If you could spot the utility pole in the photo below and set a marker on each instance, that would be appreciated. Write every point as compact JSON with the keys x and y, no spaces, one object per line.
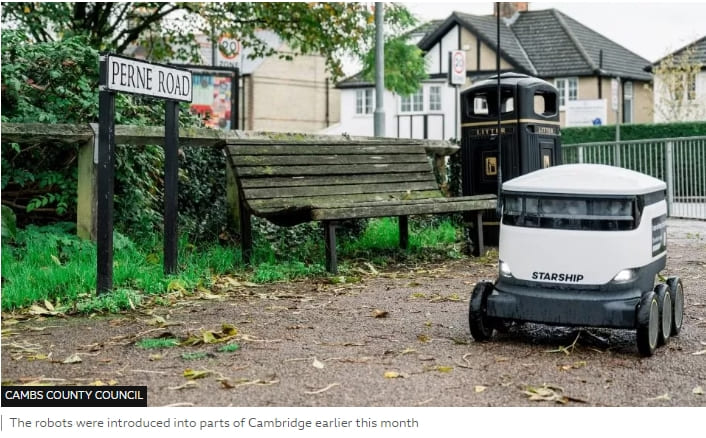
{"x":379,"y":118}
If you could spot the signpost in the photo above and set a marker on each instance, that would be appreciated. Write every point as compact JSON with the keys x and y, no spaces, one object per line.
{"x":228,"y":52}
{"x":457,"y":77}
{"x":120,"y":74}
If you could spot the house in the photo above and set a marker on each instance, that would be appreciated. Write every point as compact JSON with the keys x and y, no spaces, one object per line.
{"x":680,"y":84}
{"x":275,"y":94}
{"x":545,"y":43}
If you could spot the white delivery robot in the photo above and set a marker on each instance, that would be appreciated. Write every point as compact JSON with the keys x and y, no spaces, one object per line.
{"x":582,"y":245}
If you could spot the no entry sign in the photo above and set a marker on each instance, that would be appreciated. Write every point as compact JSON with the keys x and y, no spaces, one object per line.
{"x":147,"y":79}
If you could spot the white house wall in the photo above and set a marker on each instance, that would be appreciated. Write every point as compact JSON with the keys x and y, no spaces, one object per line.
{"x":448,"y":43}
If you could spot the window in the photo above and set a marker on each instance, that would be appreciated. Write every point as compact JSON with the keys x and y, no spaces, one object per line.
{"x":413,"y":102}
{"x":568,"y":90}
{"x":435,"y":98}
{"x":564,"y":213}
{"x":627,"y":102}
{"x":364,"y":101}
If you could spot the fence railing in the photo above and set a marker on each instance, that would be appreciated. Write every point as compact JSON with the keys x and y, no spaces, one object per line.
{"x":680,"y":162}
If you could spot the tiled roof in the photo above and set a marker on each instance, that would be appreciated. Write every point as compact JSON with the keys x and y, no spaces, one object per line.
{"x":486,"y":28}
{"x":548,"y":43}
{"x":699,"y":52}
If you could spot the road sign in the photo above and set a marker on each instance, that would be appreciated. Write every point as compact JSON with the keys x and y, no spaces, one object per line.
{"x":228,"y":51}
{"x":457,"y":67}
{"x":147,"y":79}
{"x":614,"y":94}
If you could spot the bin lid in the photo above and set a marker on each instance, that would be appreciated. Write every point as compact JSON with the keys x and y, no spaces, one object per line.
{"x":585,"y":179}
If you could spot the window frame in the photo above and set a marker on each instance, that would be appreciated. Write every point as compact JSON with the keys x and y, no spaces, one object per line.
{"x":364,"y":101}
{"x":628,"y":102}
{"x":412,"y":102}
{"x":432,"y":104}
{"x":565,"y":89}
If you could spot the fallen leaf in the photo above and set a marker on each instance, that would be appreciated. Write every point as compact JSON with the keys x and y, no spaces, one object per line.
{"x":377,"y":313}
{"x":664,"y":396}
{"x":480,"y":388}
{"x":372,"y":269}
{"x":157,"y":320}
{"x":699,"y":353}
{"x":392,"y":375}
{"x":317,"y":364}
{"x":39,"y":356}
{"x":319,"y":391}
{"x":56,"y":260}
{"x":698,"y":391}
{"x":443,"y":369}
{"x":187,"y":385}
{"x":154,"y":357}
{"x":193,"y":375}
{"x":74,"y":358}
{"x":423,"y":338}
{"x":48,"y":305}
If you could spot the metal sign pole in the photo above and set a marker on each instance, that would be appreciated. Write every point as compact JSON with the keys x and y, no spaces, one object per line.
{"x":500,"y":141}
{"x":106,"y":171}
{"x":171,"y":170}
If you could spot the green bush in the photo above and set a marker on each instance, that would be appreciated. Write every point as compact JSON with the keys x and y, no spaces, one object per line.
{"x":58,"y":83}
{"x":590,"y":134}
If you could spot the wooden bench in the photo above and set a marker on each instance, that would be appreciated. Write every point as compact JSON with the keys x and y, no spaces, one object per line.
{"x":290,"y":182}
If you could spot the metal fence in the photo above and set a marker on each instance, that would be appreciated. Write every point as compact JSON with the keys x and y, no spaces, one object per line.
{"x":680,"y":162}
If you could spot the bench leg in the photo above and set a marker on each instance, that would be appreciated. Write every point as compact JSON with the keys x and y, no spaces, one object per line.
{"x":478,"y":249}
{"x":245,"y":234}
{"x":330,"y":243}
{"x":404,"y":232}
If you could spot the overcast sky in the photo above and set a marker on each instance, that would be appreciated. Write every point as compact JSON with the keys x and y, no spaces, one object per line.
{"x":649,"y":29}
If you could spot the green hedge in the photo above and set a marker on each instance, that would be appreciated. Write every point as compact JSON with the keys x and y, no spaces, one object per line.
{"x":589,"y":134}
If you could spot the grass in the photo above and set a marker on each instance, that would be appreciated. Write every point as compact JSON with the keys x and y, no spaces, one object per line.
{"x":51,"y":263}
{"x":154,"y":343}
{"x":229,"y":348}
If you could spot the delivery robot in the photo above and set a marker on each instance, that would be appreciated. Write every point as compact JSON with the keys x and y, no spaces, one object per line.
{"x":582,"y":245}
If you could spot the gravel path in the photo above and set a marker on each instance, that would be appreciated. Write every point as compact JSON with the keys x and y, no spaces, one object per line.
{"x":393,"y":338}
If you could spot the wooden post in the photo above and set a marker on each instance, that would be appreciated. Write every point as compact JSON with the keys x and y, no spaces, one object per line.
{"x":171,"y":186}
{"x":86,"y":188}
{"x":233,"y":198}
{"x":245,"y":234}
{"x":106,"y":172}
{"x":404,"y":231}
{"x":330,"y":244}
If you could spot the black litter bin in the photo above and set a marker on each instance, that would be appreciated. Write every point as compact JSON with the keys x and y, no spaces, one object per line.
{"x":529,"y":113}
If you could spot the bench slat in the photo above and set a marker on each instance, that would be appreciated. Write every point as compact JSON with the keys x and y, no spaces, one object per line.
{"x":324,"y":149}
{"x":332,"y":169}
{"x":409,"y":208}
{"x":291,"y":160}
{"x":264,"y":206}
{"x":304,"y":181}
{"x":326,"y":189}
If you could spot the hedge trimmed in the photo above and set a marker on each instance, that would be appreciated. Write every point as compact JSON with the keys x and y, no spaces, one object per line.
{"x":589,"y":134}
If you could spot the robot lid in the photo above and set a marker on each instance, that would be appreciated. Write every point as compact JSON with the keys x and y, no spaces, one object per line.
{"x":585,"y":179}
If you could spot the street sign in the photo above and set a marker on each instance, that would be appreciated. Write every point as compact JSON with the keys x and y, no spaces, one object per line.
{"x":148,"y":79}
{"x":457,"y":67}
{"x":228,"y":51}
{"x":120,"y":74}
{"x":614,"y":94}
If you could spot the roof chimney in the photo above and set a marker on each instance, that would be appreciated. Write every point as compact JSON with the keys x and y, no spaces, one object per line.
{"x":508,"y":9}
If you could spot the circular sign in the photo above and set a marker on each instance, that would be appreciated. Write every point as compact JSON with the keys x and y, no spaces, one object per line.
{"x":228,"y":47}
{"x":459,"y":64}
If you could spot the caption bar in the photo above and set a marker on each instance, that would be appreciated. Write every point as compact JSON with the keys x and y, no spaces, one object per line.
{"x":74,"y":396}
